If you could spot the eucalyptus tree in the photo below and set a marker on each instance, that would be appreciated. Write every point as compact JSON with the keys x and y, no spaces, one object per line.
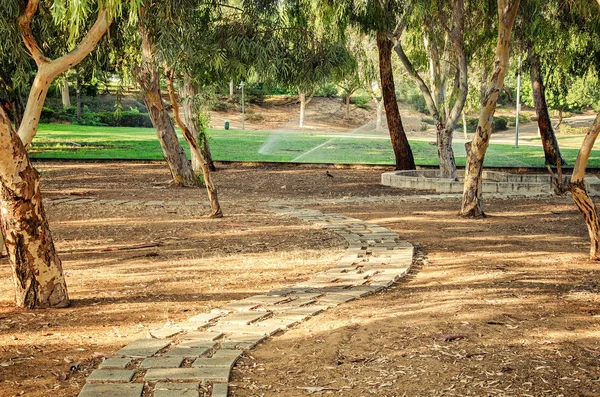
{"x":440,"y":28}
{"x":381,"y":18}
{"x":147,"y":73}
{"x":309,"y":50}
{"x":37,"y":270}
{"x":538,"y":33}
{"x":472,"y":203}
{"x":582,"y":199}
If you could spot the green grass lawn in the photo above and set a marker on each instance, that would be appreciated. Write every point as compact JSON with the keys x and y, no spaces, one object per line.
{"x":62,"y":141}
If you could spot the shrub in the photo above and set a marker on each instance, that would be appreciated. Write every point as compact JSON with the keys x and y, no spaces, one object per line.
{"x":410,"y":96}
{"x":219,"y":106}
{"x":328,"y":90}
{"x":254,"y":117}
{"x":428,"y":120}
{"x":500,"y":123}
{"x":129,"y":118}
{"x":48,"y":115}
{"x":363,"y":102}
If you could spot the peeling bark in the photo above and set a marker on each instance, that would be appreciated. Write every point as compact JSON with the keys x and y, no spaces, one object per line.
{"x":552,"y":153}
{"x":580,"y":195}
{"x":37,"y":270}
{"x":402,"y":150}
{"x":472,"y":203}
{"x":446,"y":153}
{"x":148,"y":78}
{"x":190,"y":129}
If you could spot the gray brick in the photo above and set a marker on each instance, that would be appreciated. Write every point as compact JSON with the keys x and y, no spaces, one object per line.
{"x":214,"y":374}
{"x":266,"y":299}
{"x":165,"y":332}
{"x":177,"y":393}
{"x":207,"y":336}
{"x":111,"y":375}
{"x":242,"y":342}
{"x":241,"y":306}
{"x":96,"y":390}
{"x":162,"y":362}
{"x":144,"y":347}
{"x":242,"y":318}
{"x":219,"y":390}
{"x":115,"y":362}
{"x":214,"y":362}
{"x":204,"y":318}
{"x":228,"y":353}
{"x":198,"y":343}
{"x":188,"y":352}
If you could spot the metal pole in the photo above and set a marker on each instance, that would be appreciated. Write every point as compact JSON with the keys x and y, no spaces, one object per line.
{"x":518,"y":105}
{"x":242,"y":85}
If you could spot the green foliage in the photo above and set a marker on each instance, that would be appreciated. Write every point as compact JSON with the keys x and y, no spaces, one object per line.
{"x":500,"y":123}
{"x":129,"y":118}
{"x":361,"y":101}
{"x":328,"y":90}
{"x":222,"y":106}
{"x":410,"y":96}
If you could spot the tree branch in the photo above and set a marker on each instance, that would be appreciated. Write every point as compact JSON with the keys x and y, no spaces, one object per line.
{"x":415,"y":76}
{"x":24,"y":23}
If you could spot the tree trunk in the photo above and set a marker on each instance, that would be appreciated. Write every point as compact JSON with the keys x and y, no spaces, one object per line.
{"x":149,"y":80}
{"x":302,"y":98}
{"x":231,"y":89}
{"x":188,"y":92}
{"x":37,"y":270}
{"x":347,"y":105}
{"x":2,"y":245}
{"x":379,"y":122}
{"x":190,"y":130}
{"x":580,"y":194}
{"x":445,"y":153}
{"x":551,"y":150}
{"x":402,"y":150}
{"x":66,"y":97}
{"x":472,"y":204}
{"x":78,"y":92}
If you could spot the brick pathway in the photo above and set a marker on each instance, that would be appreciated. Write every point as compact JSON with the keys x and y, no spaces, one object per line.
{"x":195,"y":357}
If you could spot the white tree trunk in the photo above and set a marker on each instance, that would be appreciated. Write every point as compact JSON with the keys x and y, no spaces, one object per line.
{"x":379,"y":122}
{"x":64,"y":91}
{"x":302,"y":97}
{"x":231,"y":89}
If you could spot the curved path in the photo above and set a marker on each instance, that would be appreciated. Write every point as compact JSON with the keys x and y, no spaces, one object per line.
{"x":197,"y":356}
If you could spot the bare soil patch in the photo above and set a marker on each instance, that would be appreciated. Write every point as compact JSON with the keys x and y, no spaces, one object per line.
{"x":515,"y":290}
{"x":321,"y":114}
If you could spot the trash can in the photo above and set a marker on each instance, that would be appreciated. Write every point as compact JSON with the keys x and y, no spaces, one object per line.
{"x":226,"y":124}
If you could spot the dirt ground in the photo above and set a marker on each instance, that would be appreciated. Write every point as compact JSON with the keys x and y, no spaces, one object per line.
{"x":515,"y":291}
